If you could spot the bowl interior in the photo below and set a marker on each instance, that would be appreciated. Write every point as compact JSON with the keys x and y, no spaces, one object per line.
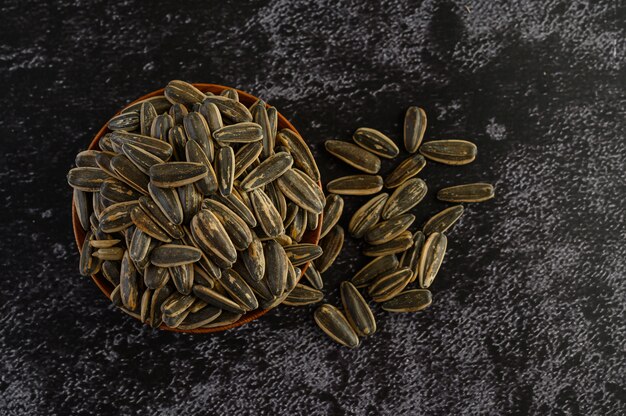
{"x":310,"y":236}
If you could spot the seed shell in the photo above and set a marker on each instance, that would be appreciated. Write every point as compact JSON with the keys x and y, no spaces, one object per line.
{"x":335,"y":325}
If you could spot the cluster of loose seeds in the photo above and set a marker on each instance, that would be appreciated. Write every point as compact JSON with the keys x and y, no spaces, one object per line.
{"x":194,"y":208}
{"x":384,"y":222}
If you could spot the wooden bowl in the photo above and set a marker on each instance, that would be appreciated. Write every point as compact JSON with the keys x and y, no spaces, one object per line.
{"x":311,"y":236}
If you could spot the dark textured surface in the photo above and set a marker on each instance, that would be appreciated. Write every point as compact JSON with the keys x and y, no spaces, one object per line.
{"x":529,"y":308}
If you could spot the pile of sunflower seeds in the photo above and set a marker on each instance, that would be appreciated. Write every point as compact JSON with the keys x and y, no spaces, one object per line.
{"x":399,"y":257}
{"x":194,"y":208}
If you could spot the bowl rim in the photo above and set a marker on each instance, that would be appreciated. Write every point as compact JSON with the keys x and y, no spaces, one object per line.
{"x":310,"y":236}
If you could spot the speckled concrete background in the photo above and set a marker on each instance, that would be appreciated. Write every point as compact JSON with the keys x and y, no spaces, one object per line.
{"x":529,"y":311}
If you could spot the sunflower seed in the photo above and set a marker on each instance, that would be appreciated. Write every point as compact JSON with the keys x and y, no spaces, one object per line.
{"x":239,"y":290}
{"x":388,"y":230}
{"x":124,"y":121}
{"x":411,"y":257}
{"x":408,"y":168}
{"x":88,"y":263}
{"x":473,"y":192}
{"x":147,"y":225}
{"x":111,"y":271}
{"x":161,"y":125}
{"x":357,"y":311}
{"x":129,"y":173}
{"x":298,"y":225}
{"x":443,"y":220}
{"x":225,"y":169}
{"x":86,"y":179}
{"x":156,"y":214}
{"x":194,"y":153}
{"x":129,"y":284}
{"x":168,"y":202}
{"x":300,"y":254}
{"x":212,"y":238}
{"x":82,"y":205}
{"x":374,"y":269}
{"x":414,"y":127}
{"x":238,"y":207}
{"x":302,"y":156}
{"x":276,"y":267}
{"x":409,"y":301}
{"x":367,"y":216}
{"x":333,"y":208}
{"x":432,"y":255}
{"x":449,"y":152}
{"x":200,"y":318}
{"x":335,"y":325}
{"x":116,"y":217}
{"x":268,"y":171}
{"x":225,"y":319}
{"x":376,"y":142}
{"x":237,"y":229}
{"x":183,"y":277}
{"x":86,"y":159}
{"x":196,"y":129}
{"x":182,"y":92}
{"x":247,"y":132}
{"x":216,"y":299}
{"x":158,"y":297}
{"x":355,"y":185}
{"x":212,"y":115}
{"x":268,"y":217}
{"x":397,"y":245}
{"x":405,"y":197}
{"x":169,"y":255}
{"x":302,"y":295}
{"x":301,"y":192}
{"x":155,"y":277}
{"x":159,"y":102}
{"x":331,"y":247}
{"x":389,"y":285}
{"x":353,"y":155}
{"x":159,"y":148}
{"x":231,"y":109}
{"x":190,"y":201}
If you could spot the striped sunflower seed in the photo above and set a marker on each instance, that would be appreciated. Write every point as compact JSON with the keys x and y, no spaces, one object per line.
{"x":414,"y":127}
{"x":231,"y":109}
{"x":367,"y":216}
{"x":86,"y":179}
{"x":335,"y":325}
{"x":159,"y":218}
{"x":388,"y":286}
{"x":276,"y":267}
{"x":194,"y":153}
{"x":245,"y":156}
{"x":376,"y":142}
{"x":410,"y":258}
{"x":375,"y":269}
{"x":155,"y":277}
{"x":129,"y":173}
{"x":129,"y":283}
{"x":139,"y":246}
{"x":161,"y":149}
{"x":83,"y":208}
{"x":413,"y":300}
{"x":175,"y":174}
{"x":216,"y":299}
{"x":212,"y":238}
{"x":268,"y":217}
{"x":472,"y":192}
{"x":432,"y":255}
{"x":299,"y":254}
{"x":239,"y":290}
{"x":168,"y":202}
{"x":170,"y":255}
{"x":405,"y":197}
{"x":124,"y":121}
{"x":333,"y":208}
{"x":353,"y":155}
{"x":408,"y":168}
{"x":397,"y":245}
{"x":449,"y":152}
{"x":388,"y":230}
{"x":356,"y":185}
{"x":331,"y":247}
{"x":237,"y":229}
{"x":161,"y":125}
{"x":314,"y":277}
{"x":201,"y":318}
{"x":196,"y":129}
{"x":182,"y":92}
{"x":147,"y":225}
{"x":443,"y":220}
{"x":358,"y":312}
{"x":212,"y":115}
{"x":268,"y":171}
{"x":302,"y":156}
{"x":246,"y":132}
{"x":116,"y":217}
{"x":183,"y":277}
{"x":225,"y":169}
{"x":190,"y":201}
{"x":302,"y":295}
{"x":117,"y":191}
